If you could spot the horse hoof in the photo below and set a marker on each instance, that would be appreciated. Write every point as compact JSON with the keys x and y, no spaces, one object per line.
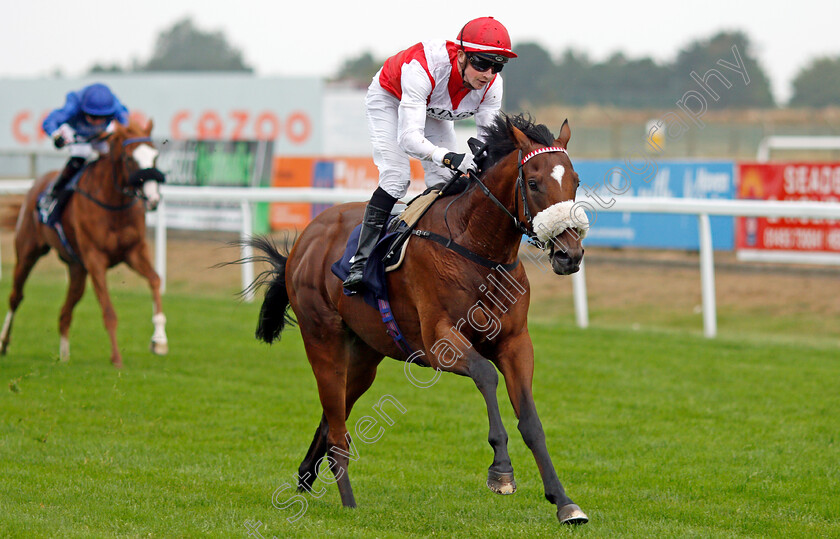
{"x":159,"y":348}
{"x":501,"y":482}
{"x":571,"y":514}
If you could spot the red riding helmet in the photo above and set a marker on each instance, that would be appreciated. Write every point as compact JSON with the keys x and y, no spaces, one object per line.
{"x":485,"y":35}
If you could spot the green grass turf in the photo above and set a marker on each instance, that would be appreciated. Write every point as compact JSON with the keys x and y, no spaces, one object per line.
{"x":653,"y":433}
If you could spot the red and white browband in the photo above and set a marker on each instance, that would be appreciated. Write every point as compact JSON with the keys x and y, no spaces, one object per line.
{"x":538,"y":151}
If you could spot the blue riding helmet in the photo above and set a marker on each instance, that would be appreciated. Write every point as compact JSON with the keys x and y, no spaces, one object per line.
{"x":97,"y":100}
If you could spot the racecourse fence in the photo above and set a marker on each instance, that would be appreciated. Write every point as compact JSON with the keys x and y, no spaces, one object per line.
{"x":702,"y":208}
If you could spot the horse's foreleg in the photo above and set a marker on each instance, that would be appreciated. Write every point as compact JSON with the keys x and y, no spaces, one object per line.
{"x":459,"y":357}
{"x":138,"y":260}
{"x":500,"y":474}
{"x":517,"y":364}
{"x":308,"y":469}
{"x":78,"y":277}
{"x":96,"y":265}
{"x":28,"y":254}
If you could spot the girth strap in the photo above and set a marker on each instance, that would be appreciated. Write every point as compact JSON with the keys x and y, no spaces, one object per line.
{"x":463,"y":251}
{"x":391,"y":327}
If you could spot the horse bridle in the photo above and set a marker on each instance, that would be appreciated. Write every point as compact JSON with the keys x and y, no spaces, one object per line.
{"x":526,"y":229}
{"x":138,"y":177}
{"x":134,"y":194}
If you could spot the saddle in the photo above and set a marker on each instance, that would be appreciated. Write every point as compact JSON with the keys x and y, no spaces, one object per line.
{"x":389,"y":253}
{"x":61,"y":199}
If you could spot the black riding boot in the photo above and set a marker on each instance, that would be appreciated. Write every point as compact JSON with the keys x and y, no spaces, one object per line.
{"x":48,"y":201}
{"x":375,"y":219}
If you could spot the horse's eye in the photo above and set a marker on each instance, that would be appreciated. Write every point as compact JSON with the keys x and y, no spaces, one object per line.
{"x":532,"y":184}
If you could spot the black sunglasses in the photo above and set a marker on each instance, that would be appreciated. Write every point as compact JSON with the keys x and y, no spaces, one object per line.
{"x":482,"y":64}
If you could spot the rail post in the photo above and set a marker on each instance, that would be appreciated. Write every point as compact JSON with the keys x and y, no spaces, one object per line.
{"x":707,"y":276}
{"x":246,"y":251}
{"x":160,"y":244}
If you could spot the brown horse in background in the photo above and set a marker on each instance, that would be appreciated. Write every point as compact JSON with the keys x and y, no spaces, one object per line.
{"x":104,"y":225}
{"x":461,"y":314}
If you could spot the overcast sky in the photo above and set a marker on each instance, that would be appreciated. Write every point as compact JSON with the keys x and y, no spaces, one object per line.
{"x":313,"y":37}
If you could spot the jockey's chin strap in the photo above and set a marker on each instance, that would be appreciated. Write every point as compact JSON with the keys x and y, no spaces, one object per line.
{"x":526,"y":229}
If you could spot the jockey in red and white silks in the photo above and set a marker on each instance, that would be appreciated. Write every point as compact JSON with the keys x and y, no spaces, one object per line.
{"x":411,"y":106}
{"x":412,"y":103}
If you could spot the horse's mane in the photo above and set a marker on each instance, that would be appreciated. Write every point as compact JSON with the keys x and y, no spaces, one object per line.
{"x":500,"y":142}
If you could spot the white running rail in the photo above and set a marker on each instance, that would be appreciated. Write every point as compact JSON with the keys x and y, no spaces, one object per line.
{"x":703,"y":208}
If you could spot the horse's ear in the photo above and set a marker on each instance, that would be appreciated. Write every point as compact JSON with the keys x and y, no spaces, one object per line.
{"x":565,"y":135}
{"x":149,"y":126}
{"x":521,"y":140}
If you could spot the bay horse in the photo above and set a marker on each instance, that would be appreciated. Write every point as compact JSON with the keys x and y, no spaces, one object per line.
{"x":458,"y":315}
{"x":103,"y":225}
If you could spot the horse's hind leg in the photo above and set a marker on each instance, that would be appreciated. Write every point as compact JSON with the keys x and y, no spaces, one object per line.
{"x":360,"y":375}
{"x":28,"y":253}
{"x":138,"y":260}
{"x":330,"y":358}
{"x":78,"y":277}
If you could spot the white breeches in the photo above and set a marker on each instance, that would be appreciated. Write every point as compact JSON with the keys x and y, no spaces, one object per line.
{"x":390,"y":159}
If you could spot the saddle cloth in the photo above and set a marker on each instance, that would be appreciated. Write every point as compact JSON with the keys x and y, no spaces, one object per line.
{"x":377,"y":266}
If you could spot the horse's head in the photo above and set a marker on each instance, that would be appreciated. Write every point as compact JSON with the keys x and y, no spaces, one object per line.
{"x":133,"y":145}
{"x":545,"y":191}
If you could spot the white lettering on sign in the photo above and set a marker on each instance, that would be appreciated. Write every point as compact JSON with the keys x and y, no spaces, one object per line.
{"x":812,"y":180}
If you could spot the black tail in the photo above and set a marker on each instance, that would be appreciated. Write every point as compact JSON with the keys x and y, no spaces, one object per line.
{"x":274,"y":313}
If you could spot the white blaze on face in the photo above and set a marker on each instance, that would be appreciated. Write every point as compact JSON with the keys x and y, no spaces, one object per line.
{"x":552,"y":221}
{"x":145,"y":156}
{"x":557,"y":173}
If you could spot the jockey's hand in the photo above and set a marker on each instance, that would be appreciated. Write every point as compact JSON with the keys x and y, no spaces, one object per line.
{"x":63,"y":136}
{"x":462,"y":162}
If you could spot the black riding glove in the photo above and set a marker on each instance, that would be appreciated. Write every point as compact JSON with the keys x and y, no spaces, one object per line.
{"x":462,"y":162}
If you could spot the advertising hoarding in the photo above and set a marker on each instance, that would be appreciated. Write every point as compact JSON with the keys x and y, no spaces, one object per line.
{"x":765,"y":238}
{"x":607,"y":180}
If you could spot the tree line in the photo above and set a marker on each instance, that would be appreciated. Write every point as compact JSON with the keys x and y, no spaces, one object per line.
{"x":537,"y":78}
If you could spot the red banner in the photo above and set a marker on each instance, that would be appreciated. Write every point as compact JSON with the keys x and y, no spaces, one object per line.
{"x":788,"y":181}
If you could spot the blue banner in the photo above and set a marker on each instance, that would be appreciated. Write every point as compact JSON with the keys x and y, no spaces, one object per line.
{"x":608,"y":180}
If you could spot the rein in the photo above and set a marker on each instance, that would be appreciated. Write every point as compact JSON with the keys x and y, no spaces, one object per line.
{"x":525,"y":229}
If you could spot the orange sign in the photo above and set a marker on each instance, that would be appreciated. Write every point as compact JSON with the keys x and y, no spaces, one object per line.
{"x":324,"y":173}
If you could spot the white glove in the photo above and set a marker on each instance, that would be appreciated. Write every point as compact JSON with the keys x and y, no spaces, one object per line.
{"x":63,"y":135}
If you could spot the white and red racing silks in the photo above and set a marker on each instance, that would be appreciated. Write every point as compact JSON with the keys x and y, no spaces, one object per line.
{"x":425,"y":78}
